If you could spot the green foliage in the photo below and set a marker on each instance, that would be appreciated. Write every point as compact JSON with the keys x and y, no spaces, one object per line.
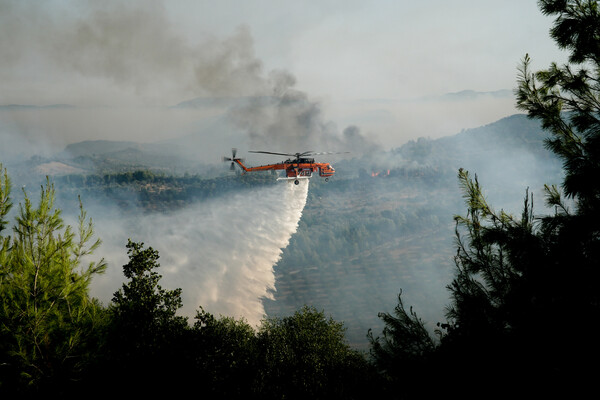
{"x":305,"y":356}
{"x":576,"y":28}
{"x":525,"y":291}
{"x":153,"y":191}
{"x":143,"y":297}
{"x":47,"y":320}
{"x":5,"y":203}
{"x":56,"y":340}
{"x":225,"y":355}
{"x":405,"y":345}
{"x":497,"y":251}
{"x":513,"y":276}
{"x":566,"y":98}
{"x":145,"y":337}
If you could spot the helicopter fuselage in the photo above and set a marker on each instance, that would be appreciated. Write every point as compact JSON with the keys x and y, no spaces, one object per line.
{"x":302,"y":167}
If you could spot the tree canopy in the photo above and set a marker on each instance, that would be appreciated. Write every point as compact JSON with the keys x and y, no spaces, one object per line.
{"x":524,"y":296}
{"x":48,"y":322}
{"x":305,"y":356}
{"x":523,"y":309}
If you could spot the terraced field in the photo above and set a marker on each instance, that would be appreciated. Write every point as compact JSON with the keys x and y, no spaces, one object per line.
{"x":357,"y":248}
{"x":382,"y":225}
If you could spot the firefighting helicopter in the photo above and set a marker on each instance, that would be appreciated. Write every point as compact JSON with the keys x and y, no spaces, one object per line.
{"x":299,"y":166}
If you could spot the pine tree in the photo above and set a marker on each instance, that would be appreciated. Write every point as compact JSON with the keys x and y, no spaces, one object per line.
{"x":404,"y":350}
{"x":47,"y":319}
{"x":566,"y":99}
{"x":524,"y":302}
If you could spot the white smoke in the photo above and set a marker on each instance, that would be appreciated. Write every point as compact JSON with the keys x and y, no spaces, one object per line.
{"x":221,"y":252}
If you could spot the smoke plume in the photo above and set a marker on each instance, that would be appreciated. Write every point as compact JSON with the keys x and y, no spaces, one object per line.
{"x":131,"y":53}
{"x":115,"y":67}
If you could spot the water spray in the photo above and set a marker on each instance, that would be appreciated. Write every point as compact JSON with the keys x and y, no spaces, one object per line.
{"x":221,"y":252}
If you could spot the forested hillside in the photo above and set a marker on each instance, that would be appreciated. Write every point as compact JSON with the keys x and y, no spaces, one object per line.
{"x":387,"y":225}
{"x":397,"y":279}
{"x":383,"y":224}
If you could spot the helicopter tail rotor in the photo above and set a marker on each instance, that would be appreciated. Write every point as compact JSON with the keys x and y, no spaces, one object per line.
{"x":233,"y":159}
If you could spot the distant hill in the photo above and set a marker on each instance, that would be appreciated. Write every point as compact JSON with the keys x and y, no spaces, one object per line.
{"x":100,"y":147}
{"x":117,"y":156}
{"x":385,"y":225}
{"x":382,"y":224}
{"x":14,"y":107}
{"x":515,"y":130}
{"x":225,"y":101}
{"x":472,"y":95}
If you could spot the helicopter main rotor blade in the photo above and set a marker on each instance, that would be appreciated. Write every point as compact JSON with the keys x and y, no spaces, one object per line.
{"x":330,"y":152}
{"x":270,"y":152}
{"x":298,"y":155}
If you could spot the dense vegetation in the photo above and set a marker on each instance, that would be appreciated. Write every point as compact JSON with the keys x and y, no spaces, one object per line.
{"x":386,"y":224}
{"x":56,"y":339}
{"x":151,"y":191}
{"x":523,"y":300}
{"x":382,"y":223}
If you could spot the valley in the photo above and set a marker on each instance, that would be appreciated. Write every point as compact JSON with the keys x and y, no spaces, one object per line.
{"x":383,"y":225}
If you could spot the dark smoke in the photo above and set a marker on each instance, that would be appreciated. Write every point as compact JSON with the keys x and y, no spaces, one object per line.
{"x":131,"y":53}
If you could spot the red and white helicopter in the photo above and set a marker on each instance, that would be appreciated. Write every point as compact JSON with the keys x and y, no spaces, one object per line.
{"x":296,"y":168}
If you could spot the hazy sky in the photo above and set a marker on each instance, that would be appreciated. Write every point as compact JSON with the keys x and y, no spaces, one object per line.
{"x":367,"y":63}
{"x":383,"y":49}
{"x":345,"y":73}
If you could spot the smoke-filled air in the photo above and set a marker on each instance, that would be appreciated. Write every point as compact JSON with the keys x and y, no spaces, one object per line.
{"x":220,"y":251}
{"x":318,"y":199}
